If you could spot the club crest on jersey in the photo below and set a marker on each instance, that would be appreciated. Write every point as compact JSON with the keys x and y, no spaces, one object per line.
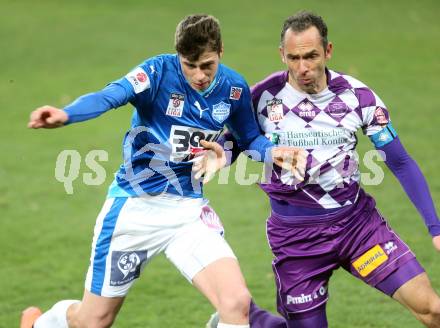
{"x":221,"y":111}
{"x":337,"y":109}
{"x":235,"y":93}
{"x":380,"y":116}
{"x":275,"y":111}
{"x":138,"y":79}
{"x":175,"y":105}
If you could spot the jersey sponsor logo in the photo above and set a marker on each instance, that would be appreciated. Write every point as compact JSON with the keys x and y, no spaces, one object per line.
{"x":126,"y":266}
{"x":275,"y":111}
{"x":212,"y":220}
{"x":307,"y":298}
{"x":380,"y":116}
{"x":141,"y":77}
{"x":370,"y":260}
{"x":337,"y":109}
{"x":235,"y":93}
{"x":312,"y":138}
{"x":303,"y":298}
{"x":175,"y":105}
{"x":306,"y":109}
{"x":138,"y":79}
{"x":273,"y":138}
{"x":221,"y":111}
{"x":185,"y":141}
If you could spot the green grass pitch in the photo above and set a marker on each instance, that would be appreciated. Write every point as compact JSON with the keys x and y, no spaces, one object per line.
{"x":54,"y":51}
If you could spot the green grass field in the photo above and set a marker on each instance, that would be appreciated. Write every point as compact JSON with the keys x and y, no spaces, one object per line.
{"x":53,"y":51}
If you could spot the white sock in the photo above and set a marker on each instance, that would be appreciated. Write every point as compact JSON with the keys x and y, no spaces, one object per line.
{"x":56,"y":317}
{"x":227,"y":325}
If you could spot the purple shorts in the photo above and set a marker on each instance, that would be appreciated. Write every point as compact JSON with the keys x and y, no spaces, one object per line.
{"x":307,"y":250}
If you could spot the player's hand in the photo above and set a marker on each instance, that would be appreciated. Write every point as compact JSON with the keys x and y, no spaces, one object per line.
{"x":47,"y":117}
{"x":291,"y":159}
{"x":436,"y":242}
{"x":212,"y":159}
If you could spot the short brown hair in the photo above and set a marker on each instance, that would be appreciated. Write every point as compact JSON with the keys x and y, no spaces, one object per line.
{"x":197,"y":33}
{"x":301,"y":21}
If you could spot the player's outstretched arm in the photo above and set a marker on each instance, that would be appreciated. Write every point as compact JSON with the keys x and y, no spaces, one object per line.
{"x":47,"y":117}
{"x":84,"y":108}
{"x":414,"y":183}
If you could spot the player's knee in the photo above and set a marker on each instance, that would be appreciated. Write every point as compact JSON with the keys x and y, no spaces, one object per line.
{"x":235,"y":303}
{"x":429,"y":314}
{"x":434,"y":308}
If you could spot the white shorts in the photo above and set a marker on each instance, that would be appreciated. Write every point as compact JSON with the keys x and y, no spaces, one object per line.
{"x":129,"y":232}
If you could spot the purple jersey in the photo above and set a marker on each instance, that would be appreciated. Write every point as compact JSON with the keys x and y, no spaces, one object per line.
{"x":324,"y":124}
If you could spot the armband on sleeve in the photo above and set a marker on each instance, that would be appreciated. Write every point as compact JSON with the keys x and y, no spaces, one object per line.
{"x":384,"y":136}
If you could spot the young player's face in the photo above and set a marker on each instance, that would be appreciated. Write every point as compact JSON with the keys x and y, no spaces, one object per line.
{"x":201,"y":73}
{"x":306,"y":59}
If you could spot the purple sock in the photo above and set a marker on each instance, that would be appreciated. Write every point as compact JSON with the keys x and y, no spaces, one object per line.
{"x":403,"y":274}
{"x":263,"y":319}
{"x":316,"y":318}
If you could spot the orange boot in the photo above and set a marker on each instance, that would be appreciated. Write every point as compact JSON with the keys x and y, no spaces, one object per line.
{"x":29,"y":316}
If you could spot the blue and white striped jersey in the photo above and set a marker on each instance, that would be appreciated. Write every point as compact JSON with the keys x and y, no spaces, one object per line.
{"x":169,"y":120}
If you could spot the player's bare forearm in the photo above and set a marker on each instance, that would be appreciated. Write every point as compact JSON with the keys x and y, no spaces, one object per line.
{"x":47,"y":117}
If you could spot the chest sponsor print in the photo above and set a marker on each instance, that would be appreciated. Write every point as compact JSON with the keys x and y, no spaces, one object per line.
{"x":312,"y":139}
{"x":185,"y":141}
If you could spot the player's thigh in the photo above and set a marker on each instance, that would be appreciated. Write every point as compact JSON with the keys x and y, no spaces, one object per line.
{"x":94,"y":311}
{"x":195,"y":245}
{"x":373,"y":251}
{"x":205,"y":259}
{"x":304,"y":262}
{"x":416,"y":294}
{"x":129,"y":232}
{"x":222,"y":282}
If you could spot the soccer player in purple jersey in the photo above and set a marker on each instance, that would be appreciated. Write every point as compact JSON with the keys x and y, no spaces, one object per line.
{"x":327,"y":220}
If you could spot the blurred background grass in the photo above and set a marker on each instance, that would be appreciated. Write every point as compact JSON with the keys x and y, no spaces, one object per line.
{"x":53,"y":51}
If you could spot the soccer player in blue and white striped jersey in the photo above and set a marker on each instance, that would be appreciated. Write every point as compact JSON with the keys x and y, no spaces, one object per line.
{"x":155,"y":204}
